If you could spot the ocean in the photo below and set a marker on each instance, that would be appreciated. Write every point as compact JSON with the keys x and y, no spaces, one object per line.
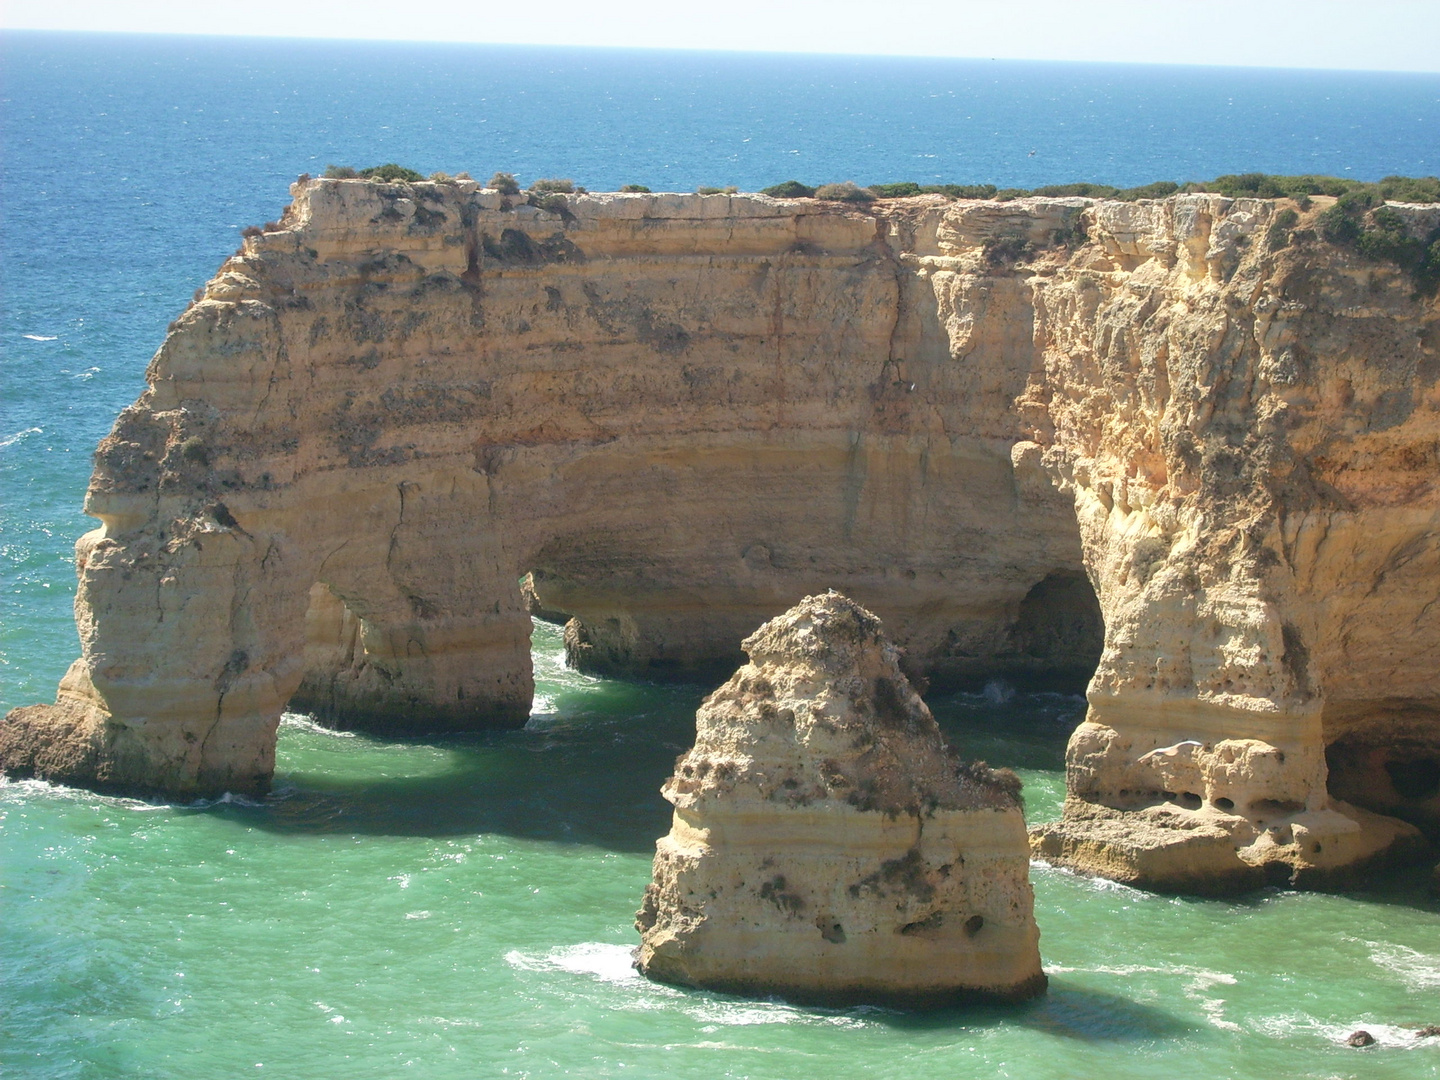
{"x":461,"y":907}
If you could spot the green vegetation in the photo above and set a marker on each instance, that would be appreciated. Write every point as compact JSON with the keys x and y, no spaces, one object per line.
{"x":505,"y":183}
{"x":636,"y":189}
{"x":790,"y":189}
{"x":1379,"y":234}
{"x":844,"y":192}
{"x":553,"y":187}
{"x":389,"y":172}
{"x":1006,"y":249}
{"x":1278,"y":234}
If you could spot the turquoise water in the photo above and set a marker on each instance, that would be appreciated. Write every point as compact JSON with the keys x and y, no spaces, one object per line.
{"x":462,"y":908}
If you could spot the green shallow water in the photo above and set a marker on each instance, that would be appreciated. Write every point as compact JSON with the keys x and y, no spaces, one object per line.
{"x":462,"y":908}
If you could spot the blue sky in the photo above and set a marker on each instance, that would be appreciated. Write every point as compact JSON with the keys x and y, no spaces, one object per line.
{"x":1393,"y":35}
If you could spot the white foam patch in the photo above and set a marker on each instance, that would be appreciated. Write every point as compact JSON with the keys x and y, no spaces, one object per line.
{"x":1418,"y":971}
{"x":23,"y":790}
{"x":229,"y":798}
{"x":608,"y":963}
{"x":13,"y":439}
{"x":1291,"y":1025}
{"x":301,"y":722}
{"x":40,"y":337}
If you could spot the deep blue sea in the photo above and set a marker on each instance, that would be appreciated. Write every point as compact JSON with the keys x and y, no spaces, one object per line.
{"x":461,"y":908}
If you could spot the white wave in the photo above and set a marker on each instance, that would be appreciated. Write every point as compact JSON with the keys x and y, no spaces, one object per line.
{"x":228,"y":798}
{"x":1419,"y":971}
{"x":301,"y":722}
{"x":22,"y":790}
{"x":608,"y":963}
{"x":1291,"y":1025}
{"x":997,"y":692}
{"x":13,"y":439}
{"x":40,"y":337}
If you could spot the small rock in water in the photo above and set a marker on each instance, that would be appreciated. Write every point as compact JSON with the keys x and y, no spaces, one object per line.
{"x":1360,"y":1038}
{"x":1429,"y":1031}
{"x":827,"y":845}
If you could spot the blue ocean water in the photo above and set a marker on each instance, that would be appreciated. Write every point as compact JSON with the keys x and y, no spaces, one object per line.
{"x":461,"y":908}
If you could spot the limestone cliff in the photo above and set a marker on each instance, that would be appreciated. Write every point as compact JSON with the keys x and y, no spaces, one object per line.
{"x":988,"y":422}
{"x":827,"y":845}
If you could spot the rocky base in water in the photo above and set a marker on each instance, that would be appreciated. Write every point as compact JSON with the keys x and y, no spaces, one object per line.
{"x":828,"y":846}
{"x":1190,"y":425}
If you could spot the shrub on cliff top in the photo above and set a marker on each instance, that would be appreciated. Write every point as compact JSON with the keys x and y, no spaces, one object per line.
{"x":960,"y":191}
{"x":731,"y":190}
{"x":390,"y":173}
{"x":635,"y":189}
{"x":1380,"y":234}
{"x":845,"y":191}
{"x":790,"y":189}
{"x":505,"y":183}
{"x":553,"y":187}
{"x":340,"y":172}
{"x":902,"y":190}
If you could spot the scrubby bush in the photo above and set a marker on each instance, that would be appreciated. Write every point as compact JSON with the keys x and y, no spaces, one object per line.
{"x":902,"y":190}
{"x":441,"y":178}
{"x":845,"y":191}
{"x":340,"y":172}
{"x":960,"y":191}
{"x":462,"y":175}
{"x":252,"y":230}
{"x":1158,"y":190}
{"x":553,"y":201}
{"x":505,"y":183}
{"x":636,"y":189}
{"x":390,"y":173}
{"x":303,"y":178}
{"x":1380,"y":234}
{"x":1087,"y":190}
{"x":732,"y":190}
{"x":790,"y":189}
{"x":1006,"y":249}
{"x":553,"y":187}
{"x":1278,"y":235}
{"x":1009,"y":193}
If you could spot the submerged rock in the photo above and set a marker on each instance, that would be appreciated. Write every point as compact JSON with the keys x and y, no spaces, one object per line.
{"x":827,"y":845}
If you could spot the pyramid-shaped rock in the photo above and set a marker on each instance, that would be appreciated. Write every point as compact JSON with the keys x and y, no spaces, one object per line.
{"x":827,"y":845}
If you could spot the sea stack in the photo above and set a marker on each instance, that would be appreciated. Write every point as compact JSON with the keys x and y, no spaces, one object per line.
{"x":827,"y":846}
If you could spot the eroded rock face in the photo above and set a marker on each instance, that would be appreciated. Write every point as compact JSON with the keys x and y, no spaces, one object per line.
{"x":827,"y":845}
{"x":1001,"y":426}
{"x":1249,"y":431}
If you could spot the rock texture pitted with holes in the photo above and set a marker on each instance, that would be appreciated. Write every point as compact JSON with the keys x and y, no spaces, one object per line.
{"x":827,"y":845}
{"x":992,"y":423}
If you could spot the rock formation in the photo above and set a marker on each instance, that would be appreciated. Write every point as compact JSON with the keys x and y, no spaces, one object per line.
{"x":827,"y":845}
{"x":1007,"y":428}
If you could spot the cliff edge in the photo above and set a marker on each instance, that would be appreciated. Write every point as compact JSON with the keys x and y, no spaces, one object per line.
{"x":1176,"y":446}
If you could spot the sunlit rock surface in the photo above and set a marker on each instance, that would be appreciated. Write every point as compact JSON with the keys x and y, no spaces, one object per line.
{"x":1008,"y":428}
{"x":827,"y":845}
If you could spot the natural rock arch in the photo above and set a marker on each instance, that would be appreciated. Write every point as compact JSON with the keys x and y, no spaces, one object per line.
{"x":686,"y":412}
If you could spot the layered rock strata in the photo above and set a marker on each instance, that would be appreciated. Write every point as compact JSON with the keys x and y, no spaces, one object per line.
{"x":988,"y":422}
{"x":827,"y":845}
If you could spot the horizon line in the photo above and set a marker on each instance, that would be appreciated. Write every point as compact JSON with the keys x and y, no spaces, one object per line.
{"x":6,"y":31}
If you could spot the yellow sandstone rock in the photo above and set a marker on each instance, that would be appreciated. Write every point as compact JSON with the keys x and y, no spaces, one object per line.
{"x":1010,"y":429}
{"x":827,"y":845}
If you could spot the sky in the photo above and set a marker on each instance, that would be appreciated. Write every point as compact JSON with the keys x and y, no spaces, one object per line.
{"x":1380,"y":35}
